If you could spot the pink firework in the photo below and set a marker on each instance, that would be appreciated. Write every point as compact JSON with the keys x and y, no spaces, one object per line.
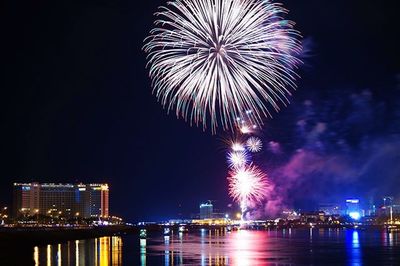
{"x":247,"y":184}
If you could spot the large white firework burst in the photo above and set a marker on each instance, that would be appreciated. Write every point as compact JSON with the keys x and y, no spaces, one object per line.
{"x":211,"y":59}
{"x":247,"y":184}
{"x":254,"y":144}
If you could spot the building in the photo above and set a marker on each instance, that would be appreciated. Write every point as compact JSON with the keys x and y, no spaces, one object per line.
{"x":206,"y":210}
{"x":388,"y":201}
{"x":330,"y":208}
{"x":55,"y":200}
{"x":353,"y":208}
{"x":312,"y":217}
{"x":97,"y":197}
{"x":25,"y":199}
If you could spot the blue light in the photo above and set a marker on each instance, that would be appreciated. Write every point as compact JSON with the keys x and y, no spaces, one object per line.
{"x":354,"y":201}
{"x":355,"y":215}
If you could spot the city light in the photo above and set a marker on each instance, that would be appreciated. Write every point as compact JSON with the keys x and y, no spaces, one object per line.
{"x":355,"y":215}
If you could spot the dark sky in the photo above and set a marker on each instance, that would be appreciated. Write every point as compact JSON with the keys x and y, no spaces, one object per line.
{"x":76,"y":105}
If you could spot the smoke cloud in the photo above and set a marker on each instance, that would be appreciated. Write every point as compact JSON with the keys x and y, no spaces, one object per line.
{"x":338,"y":146}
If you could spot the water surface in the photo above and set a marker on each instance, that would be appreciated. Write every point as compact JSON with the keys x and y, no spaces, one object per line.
{"x":217,"y":247}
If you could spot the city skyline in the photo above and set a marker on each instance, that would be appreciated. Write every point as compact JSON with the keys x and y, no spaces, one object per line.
{"x":78,"y":200}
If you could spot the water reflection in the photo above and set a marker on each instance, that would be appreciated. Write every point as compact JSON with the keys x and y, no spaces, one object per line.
{"x":213,"y":247}
{"x":220,"y":247}
{"x":143,"y":243}
{"x":353,"y":247}
{"x":390,"y":238}
{"x":97,"y":252}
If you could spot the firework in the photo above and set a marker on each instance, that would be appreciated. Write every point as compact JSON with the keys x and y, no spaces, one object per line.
{"x":238,"y":159}
{"x":245,"y":129}
{"x":237,"y":146}
{"x":254,"y":144}
{"x":247,"y":184}
{"x":211,"y":59}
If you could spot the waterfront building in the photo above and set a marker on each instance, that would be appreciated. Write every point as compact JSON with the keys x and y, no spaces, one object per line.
{"x":98,"y":198}
{"x":55,"y":200}
{"x":388,"y":201}
{"x":353,"y":208}
{"x":25,"y":199}
{"x":206,"y":210}
{"x":330,"y":208}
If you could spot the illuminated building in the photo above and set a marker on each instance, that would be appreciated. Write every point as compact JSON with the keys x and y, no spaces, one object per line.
{"x":353,"y":208}
{"x":98,"y":198}
{"x":55,"y":200}
{"x":25,"y":199}
{"x":206,"y":210}
{"x":387,"y":201}
{"x":330,"y":208}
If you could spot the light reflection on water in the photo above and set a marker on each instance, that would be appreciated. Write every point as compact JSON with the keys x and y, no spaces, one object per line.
{"x":214,"y":247}
{"x":272,"y":247}
{"x":97,"y":252}
{"x":218,"y":247}
{"x":354,"y":248}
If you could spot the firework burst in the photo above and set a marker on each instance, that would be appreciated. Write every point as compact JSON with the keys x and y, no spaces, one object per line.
{"x":254,"y":144}
{"x":237,"y":146}
{"x":211,"y":59}
{"x":247,"y":184}
{"x":237,"y":159}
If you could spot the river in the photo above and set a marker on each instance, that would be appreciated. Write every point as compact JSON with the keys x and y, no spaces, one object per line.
{"x":217,"y":247}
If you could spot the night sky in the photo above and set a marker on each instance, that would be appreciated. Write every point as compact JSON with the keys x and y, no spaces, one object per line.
{"x":76,"y":106}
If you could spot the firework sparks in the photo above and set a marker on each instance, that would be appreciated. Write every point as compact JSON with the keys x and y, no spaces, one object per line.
{"x":247,"y":184}
{"x":238,"y":159}
{"x":237,"y":146}
{"x":254,"y":144}
{"x":211,"y":59}
{"x":245,"y":129}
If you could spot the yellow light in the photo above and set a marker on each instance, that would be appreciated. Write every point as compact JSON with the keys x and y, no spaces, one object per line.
{"x":238,"y":215}
{"x":36,"y":256}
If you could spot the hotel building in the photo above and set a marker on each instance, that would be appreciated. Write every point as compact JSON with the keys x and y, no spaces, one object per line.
{"x":68,"y":200}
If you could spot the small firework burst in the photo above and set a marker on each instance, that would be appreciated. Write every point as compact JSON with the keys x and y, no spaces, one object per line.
{"x":237,"y":146}
{"x":254,"y":144}
{"x":238,"y":159}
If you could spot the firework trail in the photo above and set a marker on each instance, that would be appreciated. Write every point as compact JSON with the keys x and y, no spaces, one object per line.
{"x":211,"y":59}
